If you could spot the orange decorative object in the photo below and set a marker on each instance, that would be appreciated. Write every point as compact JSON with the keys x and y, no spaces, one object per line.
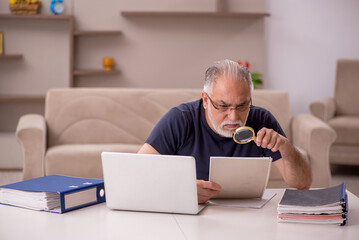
{"x":107,"y":63}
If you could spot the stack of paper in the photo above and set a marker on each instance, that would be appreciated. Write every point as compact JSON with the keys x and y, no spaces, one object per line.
{"x":321,"y":206}
{"x":31,"y":200}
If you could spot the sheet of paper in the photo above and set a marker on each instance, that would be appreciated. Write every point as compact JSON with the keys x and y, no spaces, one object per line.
{"x":244,"y":203}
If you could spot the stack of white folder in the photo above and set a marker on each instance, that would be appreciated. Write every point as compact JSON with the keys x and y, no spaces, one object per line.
{"x":320,"y":206}
{"x":32,"y":200}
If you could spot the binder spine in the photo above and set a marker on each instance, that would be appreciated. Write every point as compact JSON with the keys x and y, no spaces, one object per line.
{"x":100,"y":197}
{"x":344,"y":203}
{"x":62,"y":202}
{"x":343,"y":192}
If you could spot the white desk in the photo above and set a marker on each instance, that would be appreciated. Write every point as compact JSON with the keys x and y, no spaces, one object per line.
{"x":214,"y":222}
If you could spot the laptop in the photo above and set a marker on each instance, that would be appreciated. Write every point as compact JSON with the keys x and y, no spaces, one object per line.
{"x":240,"y":177}
{"x":150,"y":183}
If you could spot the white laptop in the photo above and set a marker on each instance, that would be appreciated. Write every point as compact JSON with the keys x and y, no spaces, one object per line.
{"x":240,"y":177}
{"x":151,"y":183}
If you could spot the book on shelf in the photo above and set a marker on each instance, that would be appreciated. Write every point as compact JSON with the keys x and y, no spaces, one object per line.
{"x":320,"y":206}
{"x":54,"y":193}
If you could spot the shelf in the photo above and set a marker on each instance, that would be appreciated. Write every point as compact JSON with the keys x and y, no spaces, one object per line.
{"x":97,"y":33}
{"x":195,"y":14}
{"x":90,"y":72}
{"x":21,"y":98}
{"x":11,"y":56}
{"x":36,"y":16}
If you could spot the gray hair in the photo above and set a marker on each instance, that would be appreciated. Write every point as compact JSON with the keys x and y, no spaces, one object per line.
{"x":229,"y":69}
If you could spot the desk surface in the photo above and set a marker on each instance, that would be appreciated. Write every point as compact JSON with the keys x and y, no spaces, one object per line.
{"x":214,"y":222}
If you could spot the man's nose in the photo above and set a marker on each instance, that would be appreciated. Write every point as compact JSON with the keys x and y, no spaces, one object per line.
{"x":233,"y":114}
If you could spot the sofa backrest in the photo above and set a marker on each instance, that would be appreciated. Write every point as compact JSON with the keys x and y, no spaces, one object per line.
{"x":277,"y":102}
{"x":127,"y":115}
{"x":346,"y":87}
{"x":104,"y":115}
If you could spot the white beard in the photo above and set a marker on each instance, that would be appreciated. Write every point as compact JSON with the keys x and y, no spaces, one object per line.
{"x":219,"y":129}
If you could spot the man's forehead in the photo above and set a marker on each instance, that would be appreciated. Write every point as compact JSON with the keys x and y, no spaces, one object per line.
{"x":231,"y":89}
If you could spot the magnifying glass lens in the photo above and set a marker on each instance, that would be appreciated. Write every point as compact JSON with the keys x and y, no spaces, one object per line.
{"x":244,"y":135}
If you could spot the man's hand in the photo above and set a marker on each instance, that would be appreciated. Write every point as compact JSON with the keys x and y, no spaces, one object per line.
{"x":268,"y":138}
{"x":292,"y":166}
{"x":207,"y":190}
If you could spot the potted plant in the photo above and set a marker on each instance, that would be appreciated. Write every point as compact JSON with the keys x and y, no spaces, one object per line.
{"x":256,"y":77}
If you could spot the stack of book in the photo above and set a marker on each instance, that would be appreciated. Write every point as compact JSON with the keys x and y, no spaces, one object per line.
{"x":54,"y":193}
{"x":320,"y":206}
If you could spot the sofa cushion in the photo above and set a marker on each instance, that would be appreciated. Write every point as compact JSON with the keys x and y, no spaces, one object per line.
{"x":344,"y":154}
{"x":346,"y":128}
{"x":82,"y":160}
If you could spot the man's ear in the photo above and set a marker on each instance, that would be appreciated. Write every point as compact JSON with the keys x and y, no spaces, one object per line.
{"x":205,"y":100}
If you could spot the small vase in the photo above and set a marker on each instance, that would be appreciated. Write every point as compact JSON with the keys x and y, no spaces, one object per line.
{"x":107,"y":63}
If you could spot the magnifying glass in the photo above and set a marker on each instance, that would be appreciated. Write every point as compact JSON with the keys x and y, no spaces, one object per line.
{"x":244,"y":135}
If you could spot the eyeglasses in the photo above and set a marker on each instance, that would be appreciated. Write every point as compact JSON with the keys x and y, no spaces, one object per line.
{"x":224,"y":108}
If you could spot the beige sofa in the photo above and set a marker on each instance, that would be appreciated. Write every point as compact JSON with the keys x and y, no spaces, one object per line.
{"x":80,"y":123}
{"x":341,"y":112}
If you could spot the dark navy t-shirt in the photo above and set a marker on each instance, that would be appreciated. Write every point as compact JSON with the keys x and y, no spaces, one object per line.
{"x":184,"y":131}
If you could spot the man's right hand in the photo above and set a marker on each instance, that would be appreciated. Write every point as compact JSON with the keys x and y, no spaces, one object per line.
{"x":206,"y":190}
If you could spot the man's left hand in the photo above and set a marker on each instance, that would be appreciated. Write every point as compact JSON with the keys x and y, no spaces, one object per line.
{"x":268,"y":138}
{"x":292,"y":166}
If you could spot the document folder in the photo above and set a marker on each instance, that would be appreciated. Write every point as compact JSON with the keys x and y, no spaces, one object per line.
{"x":54,"y":193}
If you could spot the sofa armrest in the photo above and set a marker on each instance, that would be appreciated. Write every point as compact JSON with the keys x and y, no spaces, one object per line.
{"x":323,"y":109}
{"x":315,"y":137}
{"x":31,"y":134}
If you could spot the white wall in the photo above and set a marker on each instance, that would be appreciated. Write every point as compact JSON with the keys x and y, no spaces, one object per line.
{"x":304,"y":39}
{"x":166,"y":52}
{"x":44,"y":65}
{"x":152,"y":52}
